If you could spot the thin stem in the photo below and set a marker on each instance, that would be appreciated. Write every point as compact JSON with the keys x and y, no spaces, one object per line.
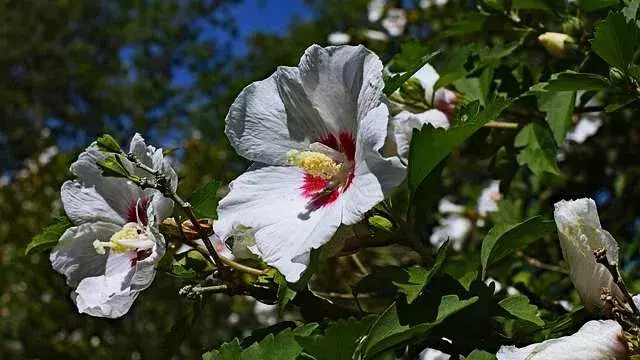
{"x":535,"y":263}
{"x":195,"y":291}
{"x":162,"y":184}
{"x":601,"y":258}
{"x":359,"y":264}
{"x":502,"y":125}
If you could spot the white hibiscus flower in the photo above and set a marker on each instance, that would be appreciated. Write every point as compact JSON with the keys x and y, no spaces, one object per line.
{"x":433,"y":354}
{"x":580,"y":235}
{"x":109,"y":256}
{"x":376,"y":9}
{"x":489,"y":198}
{"x":395,"y":22}
{"x":454,"y":226}
{"x":442,"y":103}
{"x":596,"y":340}
{"x":315,"y":132}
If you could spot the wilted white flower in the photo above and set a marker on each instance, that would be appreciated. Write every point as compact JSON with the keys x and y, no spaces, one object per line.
{"x":395,"y":21}
{"x":376,"y":9}
{"x":580,"y":235}
{"x":109,"y":256}
{"x":433,"y":354}
{"x":596,"y":340}
{"x":338,"y":38}
{"x":315,"y":132}
{"x":489,"y":198}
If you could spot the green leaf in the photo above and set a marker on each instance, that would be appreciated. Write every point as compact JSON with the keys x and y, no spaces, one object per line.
{"x":518,"y":306}
{"x":593,"y":5}
{"x":480,"y":355}
{"x":285,"y":292}
{"x":204,"y":200}
{"x":107,"y":143}
{"x":282,"y":346}
{"x":339,"y":341}
{"x":49,"y":236}
{"x":429,"y":146}
{"x":572,"y":81}
{"x":112,"y":166}
{"x":470,"y":23}
{"x":504,"y":239}
{"x":409,"y":281}
{"x":538,"y":151}
{"x":392,"y":329}
{"x":181,"y":271}
{"x":559,"y":108}
{"x":531,"y":5}
{"x":395,"y":81}
{"x":189,"y":314}
{"x":630,"y":11}
{"x":616,"y":40}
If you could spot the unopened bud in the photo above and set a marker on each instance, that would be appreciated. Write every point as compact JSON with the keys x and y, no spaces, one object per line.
{"x":616,"y":75}
{"x":413,"y":91}
{"x":556,"y":44}
{"x":380,"y":222}
{"x":572,"y":25}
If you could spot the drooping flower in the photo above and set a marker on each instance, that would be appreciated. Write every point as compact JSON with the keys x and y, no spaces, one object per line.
{"x":109,"y":256}
{"x":442,"y":103}
{"x":580,"y":235}
{"x":596,"y":340}
{"x":315,"y":132}
{"x":395,"y":21}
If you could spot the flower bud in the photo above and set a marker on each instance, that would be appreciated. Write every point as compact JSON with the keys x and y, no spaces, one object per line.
{"x":572,"y":25}
{"x":556,"y":44}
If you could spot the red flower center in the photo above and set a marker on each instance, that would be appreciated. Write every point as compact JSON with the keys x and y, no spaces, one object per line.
{"x":137,"y":211}
{"x":322,"y":192}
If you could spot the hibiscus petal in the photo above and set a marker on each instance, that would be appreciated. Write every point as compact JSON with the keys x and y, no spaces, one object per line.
{"x":404,"y":123}
{"x":596,"y":340}
{"x":152,"y":157}
{"x":261,"y":128}
{"x":343,"y":83}
{"x":84,"y":204}
{"x":580,"y":234}
{"x":375,"y":176}
{"x":428,"y":76}
{"x":270,"y":201}
{"x":75,"y":257}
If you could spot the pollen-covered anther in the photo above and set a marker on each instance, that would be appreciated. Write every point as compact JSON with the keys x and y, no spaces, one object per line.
{"x":315,"y":163}
{"x":131,"y":237}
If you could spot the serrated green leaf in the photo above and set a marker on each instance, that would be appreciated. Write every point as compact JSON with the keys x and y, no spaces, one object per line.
{"x":593,"y":5}
{"x":572,"y":81}
{"x":204,"y":200}
{"x":49,"y":236}
{"x":616,"y":40}
{"x":538,"y":151}
{"x":559,"y":108}
{"x":282,"y":346}
{"x":107,"y":143}
{"x":519,"y":307}
{"x":112,"y":166}
{"x":339,"y":340}
{"x":395,"y":81}
{"x":480,"y":355}
{"x":429,"y":146}
{"x":391,"y":329}
{"x":504,"y":239}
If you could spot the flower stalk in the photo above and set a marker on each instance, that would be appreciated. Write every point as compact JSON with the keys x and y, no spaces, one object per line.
{"x":601,"y":258}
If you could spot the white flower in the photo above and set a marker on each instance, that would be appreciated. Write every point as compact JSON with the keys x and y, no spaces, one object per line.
{"x":455,"y":226}
{"x":489,"y":198}
{"x":338,"y":38}
{"x":109,"y":256}
{"x":315,"y":132}
{"x":375,"y":35}
{"x":433,"y":354}
{"x":442,"y":101}
{"x":580,"y":234}
{"x":395,"y":21}
{"x":266,"y":314}
{"x":376,"y":9}
{"x":428,"y":3}
{"x":596,"y":340}
{"x":588,"y":125}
